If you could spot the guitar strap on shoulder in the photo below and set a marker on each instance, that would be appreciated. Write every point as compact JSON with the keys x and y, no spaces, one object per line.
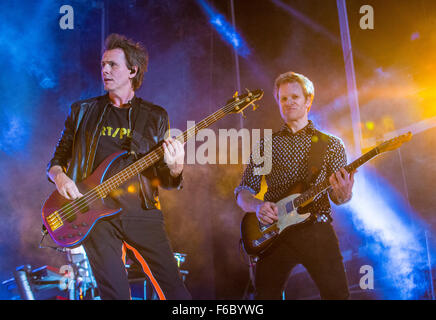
{"x":317,"y":152}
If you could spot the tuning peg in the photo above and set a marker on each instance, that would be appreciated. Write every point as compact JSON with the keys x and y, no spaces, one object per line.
{"x":243,"y":115}
{"x":255,"y":106}
{"x":249,"y":92}
{"x":235,"y":95}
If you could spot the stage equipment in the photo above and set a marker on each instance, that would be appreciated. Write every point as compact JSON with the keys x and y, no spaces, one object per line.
{"x":21,"y":279}
{"x":39,"y":284}
{"x":82,"y":285}
{"x":73,"y":281}
{"x":141,"y":286}
{"x":250,"y":288}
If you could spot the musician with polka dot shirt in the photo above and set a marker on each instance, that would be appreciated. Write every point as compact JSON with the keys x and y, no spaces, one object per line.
{"x":315,"y":244}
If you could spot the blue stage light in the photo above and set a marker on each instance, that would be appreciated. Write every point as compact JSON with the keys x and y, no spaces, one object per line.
{"x":29,"y":65}
{"x":394,"y":244}
{"x":225,"y":29}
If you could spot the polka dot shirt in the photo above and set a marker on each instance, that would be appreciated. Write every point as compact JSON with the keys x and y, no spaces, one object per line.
{"x":290,"y":153}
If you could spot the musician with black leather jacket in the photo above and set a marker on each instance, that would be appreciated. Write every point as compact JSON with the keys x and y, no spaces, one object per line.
{"x":121,"y":121}
{"x":82,"y":134}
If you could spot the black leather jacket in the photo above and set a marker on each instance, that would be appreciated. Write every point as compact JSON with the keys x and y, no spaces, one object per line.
{"x":75,"y":150}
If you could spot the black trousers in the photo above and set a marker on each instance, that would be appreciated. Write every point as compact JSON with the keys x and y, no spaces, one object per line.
{"x":143,"y":232}
{"x":316,"y":247}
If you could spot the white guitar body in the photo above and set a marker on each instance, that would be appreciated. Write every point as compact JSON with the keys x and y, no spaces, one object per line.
{"x":288,"y":215}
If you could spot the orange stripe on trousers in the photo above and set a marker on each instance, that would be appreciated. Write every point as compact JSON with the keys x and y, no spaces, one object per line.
{"x":145,"y":268}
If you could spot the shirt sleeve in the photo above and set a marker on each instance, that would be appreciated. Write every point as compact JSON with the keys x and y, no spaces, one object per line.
{"x":63,"y":150}
{"x":336,"y":157}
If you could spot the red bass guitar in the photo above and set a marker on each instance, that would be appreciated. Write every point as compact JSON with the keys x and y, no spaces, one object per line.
{"x":70,"y":221}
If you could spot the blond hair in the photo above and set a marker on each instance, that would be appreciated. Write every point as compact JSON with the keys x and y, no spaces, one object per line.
{"x":289,"y":77}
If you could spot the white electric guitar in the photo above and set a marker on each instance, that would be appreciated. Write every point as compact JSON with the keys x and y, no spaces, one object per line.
{"x":256,"y":237}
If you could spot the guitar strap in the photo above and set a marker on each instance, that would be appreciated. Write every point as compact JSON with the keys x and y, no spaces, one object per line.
{"x":317,"y":152}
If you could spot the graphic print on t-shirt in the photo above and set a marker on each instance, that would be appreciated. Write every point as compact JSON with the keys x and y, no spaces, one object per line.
{"x":115,"y":132}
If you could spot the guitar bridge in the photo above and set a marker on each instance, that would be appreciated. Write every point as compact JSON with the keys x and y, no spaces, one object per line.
{"x":54,"y":221}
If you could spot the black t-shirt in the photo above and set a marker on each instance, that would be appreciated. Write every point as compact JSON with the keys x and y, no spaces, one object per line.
{"x":115,"y":136}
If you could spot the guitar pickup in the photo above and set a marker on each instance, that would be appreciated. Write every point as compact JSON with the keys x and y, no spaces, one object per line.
{"x":54,"y":221}
{"x":263,"y":227}
{"x":265,"y":237}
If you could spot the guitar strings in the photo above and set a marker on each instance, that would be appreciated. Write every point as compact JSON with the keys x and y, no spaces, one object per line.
{"x":93,"y":194}
{"x":75,"y":206}
{"x":324,"y":185}
{"x":113,"y":180}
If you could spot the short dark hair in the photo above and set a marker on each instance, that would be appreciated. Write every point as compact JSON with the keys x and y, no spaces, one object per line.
{"x":136,"y":55}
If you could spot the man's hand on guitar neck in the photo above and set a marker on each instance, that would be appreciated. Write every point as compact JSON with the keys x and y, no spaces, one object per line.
{"x":174,"y":156}
{"x":65,"y":186}
{"x":342,"y":185}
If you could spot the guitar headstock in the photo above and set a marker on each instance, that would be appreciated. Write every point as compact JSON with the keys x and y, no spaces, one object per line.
{"x":394,"y":143}
{"x":240,"y":102}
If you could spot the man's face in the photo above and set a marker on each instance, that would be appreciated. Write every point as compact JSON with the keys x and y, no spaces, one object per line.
{"x":115,"y":74}
{"x":293,"y":104}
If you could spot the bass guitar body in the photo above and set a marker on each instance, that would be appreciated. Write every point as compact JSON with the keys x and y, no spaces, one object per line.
{"x":69,"y":221}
